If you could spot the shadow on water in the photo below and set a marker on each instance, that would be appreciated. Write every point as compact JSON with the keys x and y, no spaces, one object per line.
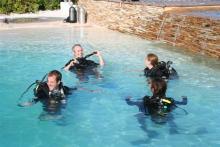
{"x":152,"y":134}
{"x":84,"y":76}
{"x":169,"y":120}
{"x":141,"y":118}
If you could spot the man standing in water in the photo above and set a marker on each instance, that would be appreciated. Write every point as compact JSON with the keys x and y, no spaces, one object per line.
{"x":81,"y":63}
{"x":82,"y":67}
{"x":52,"y":94}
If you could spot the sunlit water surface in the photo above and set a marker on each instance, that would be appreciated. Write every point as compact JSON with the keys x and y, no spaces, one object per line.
{"x":103,"y":118}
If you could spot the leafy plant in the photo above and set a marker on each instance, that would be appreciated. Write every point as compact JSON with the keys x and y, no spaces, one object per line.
{"x":25,"y":6}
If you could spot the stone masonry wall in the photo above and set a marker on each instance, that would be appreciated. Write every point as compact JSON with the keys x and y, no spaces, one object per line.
{"x":199,"y":35}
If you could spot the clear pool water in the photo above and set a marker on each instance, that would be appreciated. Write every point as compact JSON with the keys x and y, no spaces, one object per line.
{"x":103,"y":118}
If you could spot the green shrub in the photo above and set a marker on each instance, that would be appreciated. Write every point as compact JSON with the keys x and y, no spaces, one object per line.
{"x":25,"y":6}
{"x":21,"y":6}
{"x":6,"y":6}
{"x":52,"y":4}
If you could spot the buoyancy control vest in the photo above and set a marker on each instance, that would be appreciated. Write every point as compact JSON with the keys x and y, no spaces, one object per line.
{"x":42,"y":92}
{"x":158,"y":106}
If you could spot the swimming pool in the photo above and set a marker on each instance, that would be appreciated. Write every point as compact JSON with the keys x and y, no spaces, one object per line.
{"x":103,"y":118}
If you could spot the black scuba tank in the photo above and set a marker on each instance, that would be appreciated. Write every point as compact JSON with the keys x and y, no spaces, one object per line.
{"x":167,"y":70}
{"x":156,"y":105}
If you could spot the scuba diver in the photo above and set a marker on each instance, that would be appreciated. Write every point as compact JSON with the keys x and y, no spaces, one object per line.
{"x":52,"y":94}
{"x":156,"y":69}
{"x":158,"y":106}
{"x":81,"y":66}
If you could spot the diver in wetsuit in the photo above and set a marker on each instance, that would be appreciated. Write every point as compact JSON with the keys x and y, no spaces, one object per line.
{"x":52,"y":94}
{"x":156,"y":69}
{"x":157,"y":105}
{"x":81,"y":65}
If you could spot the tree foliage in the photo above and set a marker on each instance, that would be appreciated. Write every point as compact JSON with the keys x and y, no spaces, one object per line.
{"x":24,"y":6}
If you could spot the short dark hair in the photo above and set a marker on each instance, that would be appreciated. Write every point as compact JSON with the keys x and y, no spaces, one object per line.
{"x":160,"y":87}
{"x":55,"y":73}
{"x":76,"y":46}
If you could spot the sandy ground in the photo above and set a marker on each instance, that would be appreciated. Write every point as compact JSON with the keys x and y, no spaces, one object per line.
{"x":52,"y":24}
{"x":55,"y":13}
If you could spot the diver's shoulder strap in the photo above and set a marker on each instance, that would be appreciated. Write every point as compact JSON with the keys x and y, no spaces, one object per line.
{"x":146,"y":97}
{"x":62,"y":89}
{"x":148,"y":100}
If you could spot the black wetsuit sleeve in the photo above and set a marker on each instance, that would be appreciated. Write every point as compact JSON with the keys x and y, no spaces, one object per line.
{"x":68,"y":90}
{"x":155,"y":72}
{"x":132,"y":103}
{"x":139,"y":104}
{"x":68,"y":62}
{"x":183,"y":102}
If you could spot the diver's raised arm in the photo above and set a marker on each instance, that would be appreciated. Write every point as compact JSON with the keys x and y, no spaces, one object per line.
{"x":101,"y":61}
{"x":70,"y":64}
{"x":131,"y":102}
{"x":28,"y":103}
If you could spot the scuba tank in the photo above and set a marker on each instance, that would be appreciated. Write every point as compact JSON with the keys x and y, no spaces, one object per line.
{"x":162,"y":106}
{"x":167,"y":70}
{"x":172,"y":72}
{"x":159,"y":106}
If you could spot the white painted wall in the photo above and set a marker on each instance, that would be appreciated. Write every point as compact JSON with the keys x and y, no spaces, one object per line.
{"x":64,"y":7}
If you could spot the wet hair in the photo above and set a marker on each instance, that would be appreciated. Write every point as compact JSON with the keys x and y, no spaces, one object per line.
{"x":152,"y":58}
{"x":159,"y":87}
{"x":76,"y":46}
{"x":55,"y":73}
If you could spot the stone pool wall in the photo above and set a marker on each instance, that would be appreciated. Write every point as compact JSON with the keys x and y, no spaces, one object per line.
{"x":197,"y":34}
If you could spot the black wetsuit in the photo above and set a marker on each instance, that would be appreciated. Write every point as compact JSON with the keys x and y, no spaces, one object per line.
{"x":52,"y":101}
{"x":156,"y":106}
{"x":83,"y":64}
{"x":154,"y":72}
{"x":84,"y":68}
{"x":162,"y":70}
